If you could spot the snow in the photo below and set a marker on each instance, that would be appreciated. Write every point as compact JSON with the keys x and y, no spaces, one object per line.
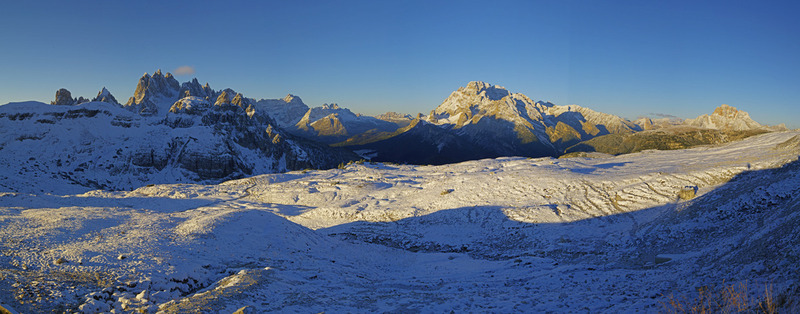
{"x":495,"y":235}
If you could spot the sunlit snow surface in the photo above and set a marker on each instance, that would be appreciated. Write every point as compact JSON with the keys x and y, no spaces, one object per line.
{"x":496,"y":235}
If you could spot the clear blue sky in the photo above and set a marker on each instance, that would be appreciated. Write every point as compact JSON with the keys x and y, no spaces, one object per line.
{"x":628,"y":58}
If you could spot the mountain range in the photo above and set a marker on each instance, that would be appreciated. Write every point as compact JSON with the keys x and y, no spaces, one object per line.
{"x":170,"y":132}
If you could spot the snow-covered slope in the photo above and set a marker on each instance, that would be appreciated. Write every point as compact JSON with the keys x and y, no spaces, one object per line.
{"x":102,"y":145}
{"x":495,"y":235}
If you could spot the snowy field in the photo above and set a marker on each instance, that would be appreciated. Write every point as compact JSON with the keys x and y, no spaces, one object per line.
{"x":603,"y":234}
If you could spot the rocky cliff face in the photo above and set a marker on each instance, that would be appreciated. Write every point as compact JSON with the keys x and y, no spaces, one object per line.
{"x":286,"y":111}
{"x":154,"y":94}
{"x":490,"y":114}
{"x":500,"y":123}
{"x":64,"y":98}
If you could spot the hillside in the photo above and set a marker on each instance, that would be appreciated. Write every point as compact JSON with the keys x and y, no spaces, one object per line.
{"x":504,"y":235}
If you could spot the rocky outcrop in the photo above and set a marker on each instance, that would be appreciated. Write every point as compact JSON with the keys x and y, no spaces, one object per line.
{"x":105,"y":96}
{"x":224,"y":98}
{"x":194,"y":88}
{"x":63,"y":98}
{"x":154,"y":94}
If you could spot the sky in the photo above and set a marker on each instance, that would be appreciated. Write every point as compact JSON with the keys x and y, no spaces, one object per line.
{"x":628,"y":58}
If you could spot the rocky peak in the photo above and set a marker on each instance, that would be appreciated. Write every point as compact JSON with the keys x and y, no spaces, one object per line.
{"x":330,"y":106}
{"x":726,"y":117}
{"x":484,"y":90}
{"x":292,"y":99}
{"x":223,"y":98}
{"x":63,"y":98}
{"x":105,"y":96}
{"x":172,"y":82}
{"x":153,"y":90}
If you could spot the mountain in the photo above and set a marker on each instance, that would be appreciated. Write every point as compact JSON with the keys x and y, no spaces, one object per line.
{"x":154,"y":94}
{"x":286,"y":111}
{"x":725,"y":124}
{"x":419,"y":143}
{"x":156,"y":138}
{"x":506,"y":235}
{"x":328,"y":123}
{"x":549,"y":125}
{"x":494,"y":122}
{"x":64,"y":98}
{"x":105,"y":96}
{"x":402,"y":120}
{"x":726,"y":118}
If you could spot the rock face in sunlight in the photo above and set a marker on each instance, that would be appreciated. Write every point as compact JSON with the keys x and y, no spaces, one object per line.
{"x":492,"y":122}
{"x":728,"y":118}
{"x":611,"y":234}
{"x":64,"y":98}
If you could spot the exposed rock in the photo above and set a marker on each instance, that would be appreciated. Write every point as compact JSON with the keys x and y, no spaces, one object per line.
{"x":287,"y":111}
{"x":190,"y":105}
{"x":400,"y":119}
{"x":63,"y":98}
{"x":224,"y":98}
{"x":105,"y":96}
{"x":687,"y":192}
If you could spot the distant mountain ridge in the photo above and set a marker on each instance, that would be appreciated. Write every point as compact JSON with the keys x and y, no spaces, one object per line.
{"x":172,"y":132}
{"x":490,"y":121}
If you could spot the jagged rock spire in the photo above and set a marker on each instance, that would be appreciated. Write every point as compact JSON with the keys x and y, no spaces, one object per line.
{"x":105,"y":96}
{"x":152,"y":91}
{"x":63,"y":98}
